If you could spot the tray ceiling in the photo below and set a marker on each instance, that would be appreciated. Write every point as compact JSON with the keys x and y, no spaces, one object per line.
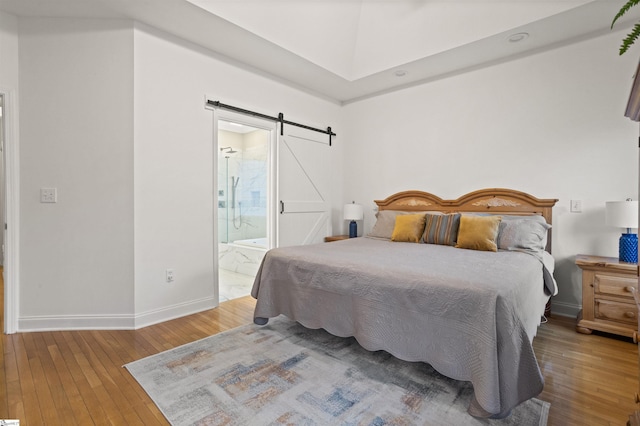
{"x":347,"y":50}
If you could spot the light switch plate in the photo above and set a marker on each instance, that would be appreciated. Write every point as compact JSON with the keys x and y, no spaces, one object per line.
{"x":48,"y":195}
{"x":576,"y":206}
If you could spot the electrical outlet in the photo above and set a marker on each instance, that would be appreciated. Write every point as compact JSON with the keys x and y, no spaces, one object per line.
{"x":169,"y":275}
{"x":576,"y":206}
{"x":48,"y":195}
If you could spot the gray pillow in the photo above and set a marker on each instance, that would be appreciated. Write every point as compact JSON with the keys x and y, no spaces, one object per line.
{"x":523,"y":233}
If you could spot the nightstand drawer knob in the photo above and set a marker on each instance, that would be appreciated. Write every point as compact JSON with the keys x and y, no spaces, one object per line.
{"x":635,"y":339}
{"x":629,"y":288}
{"x":630,"y":314}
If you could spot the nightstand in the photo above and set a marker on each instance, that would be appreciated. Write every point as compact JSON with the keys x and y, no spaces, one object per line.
{"x":607,"y":298}
{"x":335,"y":238}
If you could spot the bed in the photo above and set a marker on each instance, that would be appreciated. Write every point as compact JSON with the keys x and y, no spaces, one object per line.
{"x":470,"y":312}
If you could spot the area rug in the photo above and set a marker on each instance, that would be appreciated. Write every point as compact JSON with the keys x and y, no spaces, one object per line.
{"x":283,"y":373}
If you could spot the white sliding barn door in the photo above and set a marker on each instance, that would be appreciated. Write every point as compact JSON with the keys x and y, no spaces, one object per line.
{"x":304,"y":177}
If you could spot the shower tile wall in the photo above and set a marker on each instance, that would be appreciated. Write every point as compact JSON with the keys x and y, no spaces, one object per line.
{"x":250,"y":165}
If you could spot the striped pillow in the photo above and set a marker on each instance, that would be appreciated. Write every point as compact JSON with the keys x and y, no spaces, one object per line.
{"x":441,"y":229}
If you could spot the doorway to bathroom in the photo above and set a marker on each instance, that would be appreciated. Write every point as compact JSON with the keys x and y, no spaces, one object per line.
{"x":243,"y":235}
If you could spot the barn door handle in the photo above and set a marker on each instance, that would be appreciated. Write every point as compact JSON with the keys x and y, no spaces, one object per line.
{"x":281,"y":206}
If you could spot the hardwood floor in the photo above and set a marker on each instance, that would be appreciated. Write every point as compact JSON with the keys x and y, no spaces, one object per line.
{"x":76,"y":377}
{"x":589,"y":379}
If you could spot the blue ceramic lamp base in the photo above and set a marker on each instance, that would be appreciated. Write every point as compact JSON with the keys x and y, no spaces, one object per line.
{"x":353,"y":230}
{"x":628,"y":248}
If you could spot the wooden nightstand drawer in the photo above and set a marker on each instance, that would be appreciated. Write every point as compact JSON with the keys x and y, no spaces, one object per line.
{"x":616,"y":311}
{"x":607,"y":300}
{"x":614,"y":285}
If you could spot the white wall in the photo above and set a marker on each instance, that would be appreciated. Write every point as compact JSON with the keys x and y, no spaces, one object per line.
{"x":76,"y":135}
{"x":550,"y":124}
{"x":9,"y":50}
{"x":9,"y":86}
{"x":9,"y":81}
{"x":112,"y":115}
{"x":174,"y":163}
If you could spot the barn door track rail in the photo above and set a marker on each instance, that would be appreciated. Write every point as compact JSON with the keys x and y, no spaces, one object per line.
{"x":280,"y":118}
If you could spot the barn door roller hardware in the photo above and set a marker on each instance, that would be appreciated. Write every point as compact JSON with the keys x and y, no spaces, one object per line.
{"x":280,"y":118}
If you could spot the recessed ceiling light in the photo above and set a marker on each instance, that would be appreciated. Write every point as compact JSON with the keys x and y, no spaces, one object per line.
{"x":515,"y":38}
{"x":400,"y":73}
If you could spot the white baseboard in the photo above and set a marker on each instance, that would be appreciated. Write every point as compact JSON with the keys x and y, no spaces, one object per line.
{"x":564,"y":309}
{"x":172,"y":312}
{"x":133,"y":322}
{"x":114,"y":322}
{"x":75,"y":322}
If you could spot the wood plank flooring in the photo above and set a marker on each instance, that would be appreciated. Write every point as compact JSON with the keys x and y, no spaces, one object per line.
{"x":76,"y":377}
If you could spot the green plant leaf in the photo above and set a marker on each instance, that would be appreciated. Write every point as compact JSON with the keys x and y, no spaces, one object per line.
{"x":630,"y":39}
{"x":624,"y":10}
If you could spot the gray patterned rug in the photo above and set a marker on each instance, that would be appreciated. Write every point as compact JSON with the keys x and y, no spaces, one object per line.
{"x":283,"y":373}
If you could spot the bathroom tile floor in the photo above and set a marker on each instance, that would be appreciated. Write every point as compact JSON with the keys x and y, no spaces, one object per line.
{"x":233,"y":285}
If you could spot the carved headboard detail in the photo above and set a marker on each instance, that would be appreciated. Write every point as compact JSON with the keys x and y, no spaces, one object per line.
{"x":490,"y":200}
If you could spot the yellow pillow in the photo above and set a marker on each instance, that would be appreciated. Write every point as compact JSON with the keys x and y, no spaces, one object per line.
{"x":408,"y":228}
{"x":478,"y":232}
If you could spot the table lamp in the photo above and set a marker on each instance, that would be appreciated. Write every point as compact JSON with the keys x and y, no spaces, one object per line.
{"x":624,"y":214}
{"x":353,"y":212}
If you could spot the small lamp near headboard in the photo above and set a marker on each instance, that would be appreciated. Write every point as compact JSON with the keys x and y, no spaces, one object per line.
{"x":353,"y":212}
{"x":624,"y":214}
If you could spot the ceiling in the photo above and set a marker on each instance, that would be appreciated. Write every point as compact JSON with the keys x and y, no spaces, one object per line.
{"x":348,"y":50}
{"x":230,"y":126}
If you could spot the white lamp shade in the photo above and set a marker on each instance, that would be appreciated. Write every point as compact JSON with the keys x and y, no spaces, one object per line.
{"x":622,"y":214}
{"x":353,"y":212}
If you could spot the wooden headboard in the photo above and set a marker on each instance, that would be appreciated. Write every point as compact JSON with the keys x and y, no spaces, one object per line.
{"x":490,"y":200}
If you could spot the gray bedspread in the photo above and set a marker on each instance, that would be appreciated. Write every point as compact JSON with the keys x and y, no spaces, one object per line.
{"x":472,"y":315}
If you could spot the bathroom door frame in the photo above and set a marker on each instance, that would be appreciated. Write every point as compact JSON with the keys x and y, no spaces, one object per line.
{"x":11,"y":182}
{"x":258,"y":123}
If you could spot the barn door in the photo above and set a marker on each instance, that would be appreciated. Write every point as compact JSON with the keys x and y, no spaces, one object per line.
{"x":304,"y":177}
